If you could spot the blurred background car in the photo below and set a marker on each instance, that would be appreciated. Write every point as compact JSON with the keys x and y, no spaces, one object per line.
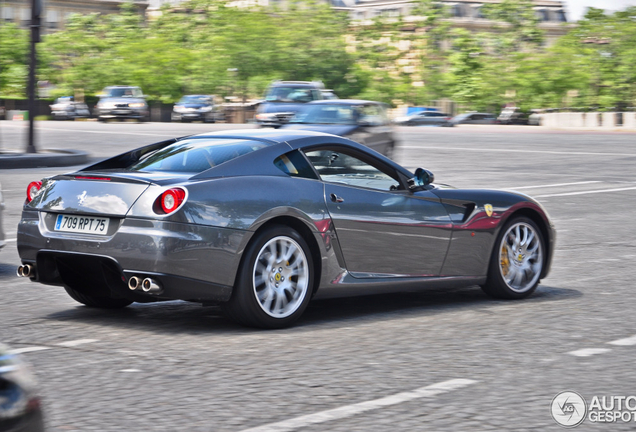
{"x":20,"y":408}
{"x":513,"y":116}
{"x":365,"y":122}
{"x":65,"y":108}
{"x":283,"y":99}
{"x":122,"y":102}
{"x":474,"y":118}
{"x":535,"y":117}
{"x":425,"y":118}
{"x":196,"y":108}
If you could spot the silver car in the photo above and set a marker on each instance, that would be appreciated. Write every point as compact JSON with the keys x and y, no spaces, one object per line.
{"x":261,"y":221}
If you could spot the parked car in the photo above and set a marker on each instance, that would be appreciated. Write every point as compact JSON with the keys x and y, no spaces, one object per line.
{"x":196,"y":108}
{"x":362,"y":121}
{"x":283,"y":99}
{"x":20,"y":408}
{"x":513,"y":116}
{"x":474,"y":118}
{"x":262,"y":221}
{"x":425,"y":118}
{"x":65,"y":108}
{"x":122,"y":102}
{"x":536,"y":117}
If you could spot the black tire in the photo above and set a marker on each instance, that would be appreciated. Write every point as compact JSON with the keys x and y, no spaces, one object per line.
{"x":527,"y":265}
{"x":97,"y":302}
{"x":244,"y":307}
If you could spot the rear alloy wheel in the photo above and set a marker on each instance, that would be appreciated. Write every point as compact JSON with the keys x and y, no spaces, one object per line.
{"x":275,"y":281}
{"x":97,"y":302}
{"x":516,"y":261}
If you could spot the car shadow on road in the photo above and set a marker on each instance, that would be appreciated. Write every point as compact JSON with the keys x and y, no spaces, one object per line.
{"x":420,"y":304}
{"x":191,"y":318}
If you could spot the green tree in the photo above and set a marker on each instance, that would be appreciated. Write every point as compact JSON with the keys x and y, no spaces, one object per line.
{"x":14,"y":49}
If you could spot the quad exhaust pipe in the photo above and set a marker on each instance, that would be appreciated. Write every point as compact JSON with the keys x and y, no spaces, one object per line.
{"x":134,"y":283}
{"x":147,"y":285}
{"x":26,"y":270}
{"x":151,"y":286}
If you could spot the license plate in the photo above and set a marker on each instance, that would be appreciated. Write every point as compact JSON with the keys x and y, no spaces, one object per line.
{"x":121,"y":112}
{"x":82,"y":224}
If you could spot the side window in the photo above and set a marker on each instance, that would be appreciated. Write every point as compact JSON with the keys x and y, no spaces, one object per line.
{"x":338,"y":167}
{"x":294,"y":164}
{"x":316,"y":95}
{"x":370,"y":114}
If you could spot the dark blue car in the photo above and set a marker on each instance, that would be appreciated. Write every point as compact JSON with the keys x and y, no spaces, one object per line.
{"x":362,"y":121}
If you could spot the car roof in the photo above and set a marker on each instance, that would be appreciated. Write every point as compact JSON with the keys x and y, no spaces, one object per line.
{"x":300,"y":84}
{"x":344,"y":102}
{"x":266,"y":135}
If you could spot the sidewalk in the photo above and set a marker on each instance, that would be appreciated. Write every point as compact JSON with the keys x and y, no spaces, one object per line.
{"x":44,"y":158}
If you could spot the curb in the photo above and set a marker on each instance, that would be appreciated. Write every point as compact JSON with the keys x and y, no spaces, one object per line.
{"x":44,"y":159}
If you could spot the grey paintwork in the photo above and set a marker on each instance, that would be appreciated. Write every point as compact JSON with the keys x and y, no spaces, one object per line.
{"x":373,"y":241}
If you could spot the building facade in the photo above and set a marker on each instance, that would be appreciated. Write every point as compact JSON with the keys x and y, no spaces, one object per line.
{"x":56,"y":12}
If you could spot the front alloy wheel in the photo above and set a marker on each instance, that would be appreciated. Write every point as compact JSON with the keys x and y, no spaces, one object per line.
{"x":516,"y":261}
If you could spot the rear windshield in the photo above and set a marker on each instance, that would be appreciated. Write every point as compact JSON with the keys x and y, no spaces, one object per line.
{"x":291,"y":94}
{"x":195,"y":155}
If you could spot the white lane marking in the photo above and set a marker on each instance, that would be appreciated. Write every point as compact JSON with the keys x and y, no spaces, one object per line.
{"x":77,"y":342}
{"x":624,"y":342}
{"x":130,"y":370}
{"x":351,"y":410}
{"x":102,"y":132}
{"x":516,"y":151}
{"x":29,"y":349}
{"x":11,"y":240}
{"x":585,"y":192}
{"x":586,"y":352}
{"x":556,"y":185}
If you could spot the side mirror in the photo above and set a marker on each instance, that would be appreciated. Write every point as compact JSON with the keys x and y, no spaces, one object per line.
{"x":422,"y":178}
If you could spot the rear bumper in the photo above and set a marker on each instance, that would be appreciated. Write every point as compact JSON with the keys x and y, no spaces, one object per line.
{"x":191,"y":262}
{"x":123,"y":113}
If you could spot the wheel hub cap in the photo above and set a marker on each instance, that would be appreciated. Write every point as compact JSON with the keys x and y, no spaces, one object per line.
{"x":521,"y":246}
{"x":281,"y":277}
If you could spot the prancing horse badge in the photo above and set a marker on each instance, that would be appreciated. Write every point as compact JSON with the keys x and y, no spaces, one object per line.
{"x":488,"y":209}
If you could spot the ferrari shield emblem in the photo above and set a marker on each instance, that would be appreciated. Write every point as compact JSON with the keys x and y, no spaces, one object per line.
{"x":488,"y":209}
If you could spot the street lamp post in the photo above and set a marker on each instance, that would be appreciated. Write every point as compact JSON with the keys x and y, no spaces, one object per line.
{"x":36,"y":11}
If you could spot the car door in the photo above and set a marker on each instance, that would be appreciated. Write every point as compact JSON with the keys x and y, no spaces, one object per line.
{"x":382,"y":228}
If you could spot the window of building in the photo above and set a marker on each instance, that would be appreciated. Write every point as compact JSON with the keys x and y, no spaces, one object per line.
{"x":7,"y":13}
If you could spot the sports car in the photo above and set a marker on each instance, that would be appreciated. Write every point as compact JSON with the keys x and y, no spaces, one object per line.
{"x":262,"y":221}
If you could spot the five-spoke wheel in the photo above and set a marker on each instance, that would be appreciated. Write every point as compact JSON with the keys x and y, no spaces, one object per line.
{"x":517,"y":260}
{"x":275,"y":280}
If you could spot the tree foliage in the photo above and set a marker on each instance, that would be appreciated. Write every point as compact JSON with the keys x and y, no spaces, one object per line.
{"x":208,"y":46}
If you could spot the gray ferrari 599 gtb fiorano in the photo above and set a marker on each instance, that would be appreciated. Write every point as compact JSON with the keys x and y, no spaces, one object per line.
{"x":262,"y":221}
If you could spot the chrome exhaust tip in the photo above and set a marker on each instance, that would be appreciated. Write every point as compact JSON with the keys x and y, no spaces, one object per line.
{"x":26,"y":270}
{"x":151,"y":286}
{"x":134,"y":283}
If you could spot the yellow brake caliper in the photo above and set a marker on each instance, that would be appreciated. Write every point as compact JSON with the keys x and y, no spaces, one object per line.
{"x":505,"y":264}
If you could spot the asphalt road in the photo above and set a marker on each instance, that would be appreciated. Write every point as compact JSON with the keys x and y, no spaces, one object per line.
{"x":433,"y":361}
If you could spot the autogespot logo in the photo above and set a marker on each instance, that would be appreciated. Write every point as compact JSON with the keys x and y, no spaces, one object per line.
{"x":568,"y":409}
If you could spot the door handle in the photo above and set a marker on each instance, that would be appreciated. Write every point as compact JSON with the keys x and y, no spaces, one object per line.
{"x":335,"y":198}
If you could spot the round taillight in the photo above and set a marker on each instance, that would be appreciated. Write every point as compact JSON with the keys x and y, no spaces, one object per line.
{"x":171,"y":199}
{"x":32,"y":189}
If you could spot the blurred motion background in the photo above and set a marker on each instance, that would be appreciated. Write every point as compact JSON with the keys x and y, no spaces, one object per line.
{"x":456,"y":56}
